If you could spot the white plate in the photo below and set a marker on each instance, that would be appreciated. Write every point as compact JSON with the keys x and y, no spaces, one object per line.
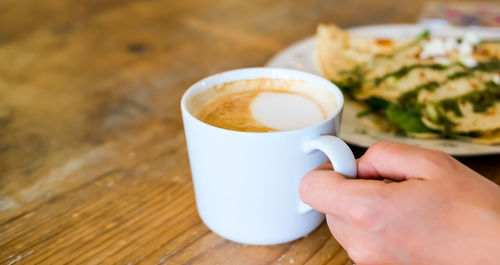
{"x":300,"y":56}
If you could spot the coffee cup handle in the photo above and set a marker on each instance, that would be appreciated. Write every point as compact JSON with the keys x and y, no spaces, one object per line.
{"x":339,"y":154}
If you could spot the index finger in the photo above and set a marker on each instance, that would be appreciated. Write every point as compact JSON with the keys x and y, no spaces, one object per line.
{"x":330,"y":192}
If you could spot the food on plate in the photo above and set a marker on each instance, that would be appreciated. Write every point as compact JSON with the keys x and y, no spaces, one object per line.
{"x":424,"y":87}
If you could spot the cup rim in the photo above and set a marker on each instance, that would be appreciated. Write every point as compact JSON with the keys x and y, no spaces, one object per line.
{"x":275,"y":73}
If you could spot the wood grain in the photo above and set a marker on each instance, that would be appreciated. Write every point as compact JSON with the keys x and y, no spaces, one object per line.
{"x":93,"y":164}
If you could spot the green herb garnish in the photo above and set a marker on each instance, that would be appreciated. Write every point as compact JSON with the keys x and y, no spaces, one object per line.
{"x":410,"y":98}
{"x":407,"y":119}
{"x":374,"y":104}
{"x":407,"y":69}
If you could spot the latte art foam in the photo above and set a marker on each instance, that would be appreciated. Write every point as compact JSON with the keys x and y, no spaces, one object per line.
{"x":233,"y":112}
{"x":263,"y":105}
{"x":285,"y":111}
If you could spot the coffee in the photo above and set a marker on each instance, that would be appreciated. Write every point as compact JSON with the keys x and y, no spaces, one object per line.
{"x":264,"y":105}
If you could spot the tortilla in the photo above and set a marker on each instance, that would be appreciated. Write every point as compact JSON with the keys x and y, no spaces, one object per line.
{"x":425,"y":87}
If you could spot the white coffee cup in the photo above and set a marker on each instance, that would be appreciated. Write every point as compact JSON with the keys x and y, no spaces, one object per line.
{"x":246,"y":184}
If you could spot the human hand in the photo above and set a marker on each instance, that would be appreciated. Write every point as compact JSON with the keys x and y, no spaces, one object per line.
{"x":434,"y":210}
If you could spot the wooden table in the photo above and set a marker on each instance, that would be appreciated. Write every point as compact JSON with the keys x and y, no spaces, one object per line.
{"x":93,"y":163}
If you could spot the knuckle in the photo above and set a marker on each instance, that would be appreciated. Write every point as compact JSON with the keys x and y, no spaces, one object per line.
{"x":436,"y":160}
{"x":370,"y":214}
{"x":364,"y":215}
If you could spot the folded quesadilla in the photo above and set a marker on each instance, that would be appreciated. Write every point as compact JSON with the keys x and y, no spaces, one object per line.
{"x":425,"y":87}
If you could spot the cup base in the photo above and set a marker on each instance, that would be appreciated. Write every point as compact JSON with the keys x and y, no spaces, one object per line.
{"x":294,"y":235}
